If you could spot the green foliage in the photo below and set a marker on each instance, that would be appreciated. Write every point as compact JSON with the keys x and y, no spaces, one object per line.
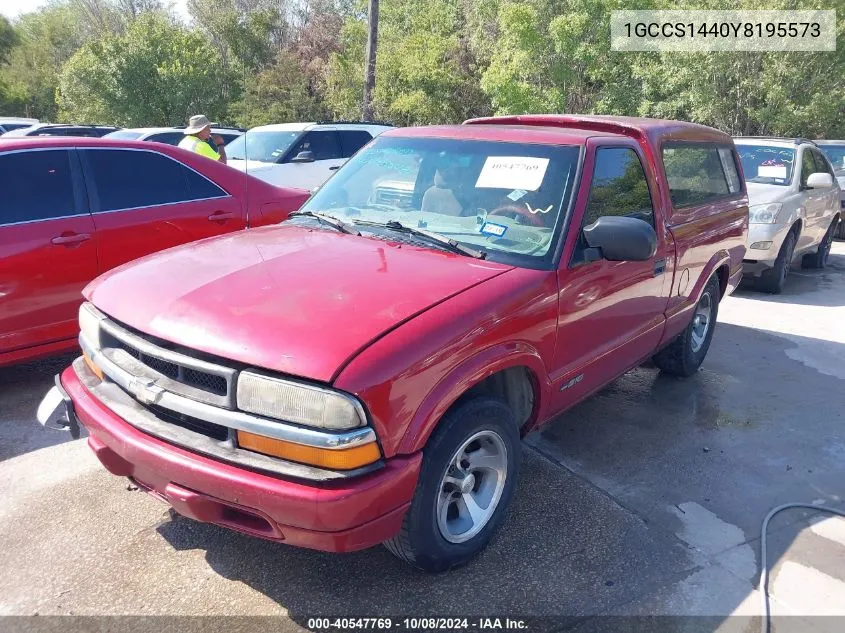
{"x":426,"y":71}
{"x":439,"y":61}
{"x":8,"y":40}
{"x":155,"y":72}
{"x":277,"y":94}
{"x":47,"y":39}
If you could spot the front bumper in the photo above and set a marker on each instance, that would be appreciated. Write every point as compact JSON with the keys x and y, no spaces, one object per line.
{"x":337,"y":515}
{"x":758,"y":260}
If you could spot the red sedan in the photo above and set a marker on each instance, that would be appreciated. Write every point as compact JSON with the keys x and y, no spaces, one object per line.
{"x":73,"y":208}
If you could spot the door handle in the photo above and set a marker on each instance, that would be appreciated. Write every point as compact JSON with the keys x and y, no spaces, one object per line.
{"x":66,"y":240}
{"x":220,"y":216}
{"x":335,"y":167}
{"x":659,"y":267}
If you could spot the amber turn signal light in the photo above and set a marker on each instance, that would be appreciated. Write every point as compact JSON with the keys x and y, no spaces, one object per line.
{"x":92,"y":366}
{"x":337,"y":459}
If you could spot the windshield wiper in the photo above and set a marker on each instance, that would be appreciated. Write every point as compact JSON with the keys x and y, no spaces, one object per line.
{"x":431,"y":236}
{"x":337,"y":223}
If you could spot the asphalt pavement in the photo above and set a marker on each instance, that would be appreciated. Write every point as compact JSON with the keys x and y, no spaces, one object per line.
{"x":644,"y":500}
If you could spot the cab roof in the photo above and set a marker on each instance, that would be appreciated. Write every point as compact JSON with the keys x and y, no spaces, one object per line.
{"x":571,"y":129}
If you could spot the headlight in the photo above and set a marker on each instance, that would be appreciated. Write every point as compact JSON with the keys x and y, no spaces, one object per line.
{"x":764,"y":213}
{"x":298,"y":402}
{"x":89,"y":324}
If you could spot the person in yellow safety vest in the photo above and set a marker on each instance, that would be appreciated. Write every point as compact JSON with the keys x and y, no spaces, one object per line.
{"x":197,"y":136}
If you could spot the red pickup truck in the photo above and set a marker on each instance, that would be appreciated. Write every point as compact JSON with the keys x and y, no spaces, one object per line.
{"x":362,"y":373}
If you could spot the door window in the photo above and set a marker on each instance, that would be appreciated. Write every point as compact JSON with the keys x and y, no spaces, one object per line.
{"x":821,"y":163}
{"x":127,"y":179}
{"x":696,"y":174}
{"x":808,"y":166}
{"x":619,"y":187}
{"x":353,"y":140}
{"x":36,"y":185}
{"x":170,"y":138}
{"x":323,"y":144}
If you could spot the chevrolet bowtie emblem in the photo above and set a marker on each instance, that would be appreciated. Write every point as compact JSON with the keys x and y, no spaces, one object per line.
{"x":145,"y":390}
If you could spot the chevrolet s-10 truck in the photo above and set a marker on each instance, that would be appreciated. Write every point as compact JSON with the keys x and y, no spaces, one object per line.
{"x":362,"y":372}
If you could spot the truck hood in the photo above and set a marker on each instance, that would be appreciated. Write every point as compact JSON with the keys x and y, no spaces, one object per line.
{"x":764,"y":194}
{"x":287,"y":298}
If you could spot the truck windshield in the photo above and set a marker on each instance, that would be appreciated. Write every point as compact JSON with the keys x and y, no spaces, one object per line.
{"x":265,"y":147}
{"x":505,"y":199}
{"x":767,"y":164}
{"x":835,"y":154}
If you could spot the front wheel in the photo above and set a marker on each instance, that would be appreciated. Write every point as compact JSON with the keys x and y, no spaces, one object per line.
{"x":467,"y":478}
{"x":820,"y":257}
{"x":774,"y":279}
{"x":684,"y":355}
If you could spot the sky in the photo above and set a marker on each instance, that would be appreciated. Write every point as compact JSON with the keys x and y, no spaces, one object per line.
{"x":13,"y":8}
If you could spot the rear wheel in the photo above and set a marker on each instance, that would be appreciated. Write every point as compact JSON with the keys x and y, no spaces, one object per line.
{"x":683,"y":356}
{"x":466,"y":481}
{"x":820,"y":257}
{"x":774,"y":279}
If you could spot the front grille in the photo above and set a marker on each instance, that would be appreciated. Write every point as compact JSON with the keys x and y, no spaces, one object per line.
{"x":169,"y":367}
{"x":185,"y":375}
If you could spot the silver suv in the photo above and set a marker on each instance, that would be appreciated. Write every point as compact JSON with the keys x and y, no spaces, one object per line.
{"x":793,"y":202}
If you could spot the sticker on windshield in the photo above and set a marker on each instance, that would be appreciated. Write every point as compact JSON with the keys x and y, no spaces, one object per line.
{"x":516,"y":194}
{"x":512,"y":172}
{"x":771,"y":171}
{"x":491,"y":228}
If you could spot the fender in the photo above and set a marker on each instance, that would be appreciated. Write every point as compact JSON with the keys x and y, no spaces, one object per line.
{"x":468,"y":374}
{"x":677,"y":318}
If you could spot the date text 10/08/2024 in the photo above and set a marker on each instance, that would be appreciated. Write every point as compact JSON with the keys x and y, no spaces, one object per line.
{"x":417,"y":624}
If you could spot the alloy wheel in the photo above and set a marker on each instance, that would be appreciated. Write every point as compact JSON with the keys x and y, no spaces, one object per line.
{"x":701,"y":321}
{"x":471,"y":486}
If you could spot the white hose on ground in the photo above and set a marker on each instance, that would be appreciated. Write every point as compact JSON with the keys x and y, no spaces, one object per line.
{"x":764,"y":566}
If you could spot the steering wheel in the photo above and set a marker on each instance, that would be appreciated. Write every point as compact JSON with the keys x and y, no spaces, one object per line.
{"x":532,"y":218}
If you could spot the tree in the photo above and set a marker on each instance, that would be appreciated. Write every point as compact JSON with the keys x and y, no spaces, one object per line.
{"x":277,"y":94}
{"x":426,"y":67}
{"x":47,"y":38}
{"x":157,"y":73}
{"x":370,"y":59}
{"x":8,"y":40}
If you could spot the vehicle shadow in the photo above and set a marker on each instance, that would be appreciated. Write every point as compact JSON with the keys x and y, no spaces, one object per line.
{"x":596,"y":526}
{"x":706,"y":458}
{"x":21,"y":389}
{"x":805,"y":286}
{"x":565,"y":550}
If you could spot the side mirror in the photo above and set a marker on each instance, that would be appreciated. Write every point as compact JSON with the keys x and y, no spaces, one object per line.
{"x":819,"y":180}
{"x":622,"y":238}
{"x":306,"y":156}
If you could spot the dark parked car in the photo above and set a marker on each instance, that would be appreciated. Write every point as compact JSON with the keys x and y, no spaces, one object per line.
{"x":62,"y":129}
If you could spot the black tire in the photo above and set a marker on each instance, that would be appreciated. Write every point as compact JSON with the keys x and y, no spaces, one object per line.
{"x":420,"y":542}
{"x":684,"y":355}
{"x":774,"y":279}
{"x":820,"y":257}
{"x":840,"y":233}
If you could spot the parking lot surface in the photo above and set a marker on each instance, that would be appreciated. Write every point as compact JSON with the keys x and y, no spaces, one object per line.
{"x":646,"y":499}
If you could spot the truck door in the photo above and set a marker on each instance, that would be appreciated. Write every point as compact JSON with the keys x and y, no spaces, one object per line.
{"x":611,"y":314}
